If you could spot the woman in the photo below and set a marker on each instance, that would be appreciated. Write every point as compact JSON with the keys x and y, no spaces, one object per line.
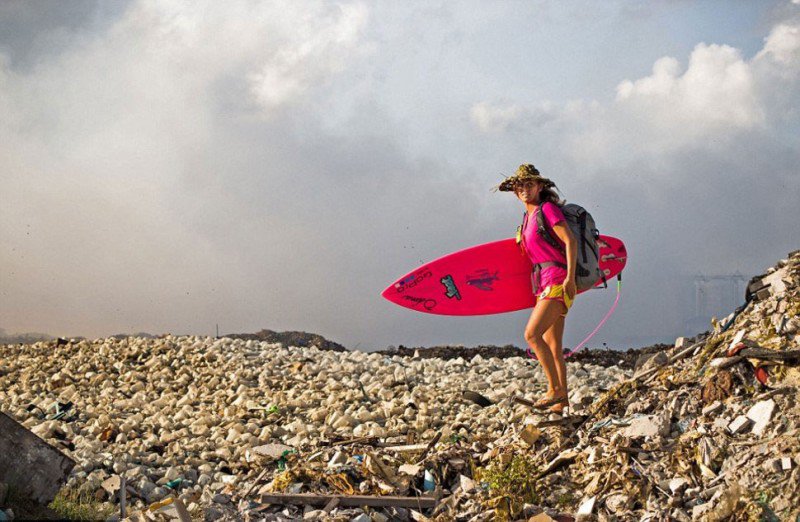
{"x":553,"y":278}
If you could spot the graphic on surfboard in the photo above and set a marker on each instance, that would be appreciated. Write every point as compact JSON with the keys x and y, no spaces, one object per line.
{"x":485,"y":279}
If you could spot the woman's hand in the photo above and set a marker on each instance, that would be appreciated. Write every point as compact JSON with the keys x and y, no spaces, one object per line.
{"x":570,"y":288}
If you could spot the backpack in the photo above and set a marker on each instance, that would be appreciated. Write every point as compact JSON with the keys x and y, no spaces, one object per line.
{"x":581,"y":223}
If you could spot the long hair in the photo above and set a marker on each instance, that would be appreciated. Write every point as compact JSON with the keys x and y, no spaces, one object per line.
{"x":548,"y":194}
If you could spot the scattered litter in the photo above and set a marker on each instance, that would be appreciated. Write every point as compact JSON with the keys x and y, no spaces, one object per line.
{"x":241,"y":429}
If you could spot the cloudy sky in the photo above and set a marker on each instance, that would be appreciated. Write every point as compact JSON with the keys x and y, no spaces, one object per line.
{"x":166,"y":166}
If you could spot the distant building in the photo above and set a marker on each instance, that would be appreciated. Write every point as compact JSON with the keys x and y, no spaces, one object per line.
{"x":714,"y":296}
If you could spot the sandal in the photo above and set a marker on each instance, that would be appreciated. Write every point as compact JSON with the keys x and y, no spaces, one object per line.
{"x":545,"y":403}
{"x":559,"y":407}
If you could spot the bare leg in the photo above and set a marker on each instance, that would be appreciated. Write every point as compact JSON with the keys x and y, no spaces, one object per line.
{"x":544,"y":315}
{"x":554,"y":337}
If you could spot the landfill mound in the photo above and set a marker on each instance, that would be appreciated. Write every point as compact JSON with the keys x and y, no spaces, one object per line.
{"x":447,"y":352}
{"x":622,"y":358}
{"x":301,"y":339}
{"x":600,"y":357}
{"x":247,"y":430}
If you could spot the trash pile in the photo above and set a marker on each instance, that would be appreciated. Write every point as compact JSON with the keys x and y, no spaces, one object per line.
{"x":599,"y":356}
{"x":706,"y":430}
{"x":222,"y":427}
{"x":448,"y":352}
{"x":292,"y":338}
{"x":231,"y":429}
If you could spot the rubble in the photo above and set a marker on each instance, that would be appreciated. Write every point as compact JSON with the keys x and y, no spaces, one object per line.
{"x":739,"y":424}
{"x":761,"y":413}
{"x":604,"y":357}
{"x":647,"y":426}
{"x":34,"y":469}
{"x":300,"y":339}
{"x":243,"y":429}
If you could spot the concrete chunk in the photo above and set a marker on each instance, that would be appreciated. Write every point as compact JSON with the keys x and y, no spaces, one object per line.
{"x":761,"y":414}
{"x":713,"y":408}
{"x":762,"y":294}
{"x":530,"y":434}
{"x":112,"y":484}
{"x":410,"y":469}
{"x":274,"y":451}
{"x":586,"y":509}
{"x":28,"y":464}
{"x":466,"y":483}
{"x":338,"y":459}
{"x":737,"y":339}
{"x":649,"y":361}
{"x":776,"y":282}
{"x":678,"y":484}
{"x":739,"y":424}
{"x":647,"y":426}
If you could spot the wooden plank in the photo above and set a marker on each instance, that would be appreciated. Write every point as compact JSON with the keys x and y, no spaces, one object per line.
{"x":123,"y":496}
{"x":771,"y":355}
{"x":407,"y":448}
{"x":369,"y":440}
{"x":430,"y":446}
{"x":256,"y":482}
{"x":332,"y":503}
{"x":312,"y":499}
{"x":524,"y":402}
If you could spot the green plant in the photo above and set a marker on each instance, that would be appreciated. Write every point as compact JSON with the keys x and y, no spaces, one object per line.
{"x":72,"y":504}
{"x":512,"y":485}
{"x":565,"y":499}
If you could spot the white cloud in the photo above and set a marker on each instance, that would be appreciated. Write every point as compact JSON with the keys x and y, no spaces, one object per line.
{"x":492,"y":118}
{"x":327,"y":45}
{"x":495,"y":118}
{"x":182,"y":166}
{"x":717,"y":97}
{"x":126,"y":176}
{"x":665,"y":71}
{"x":782,"y":45}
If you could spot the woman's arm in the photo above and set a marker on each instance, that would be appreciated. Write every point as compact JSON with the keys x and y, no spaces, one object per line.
{"x":565,"y":235}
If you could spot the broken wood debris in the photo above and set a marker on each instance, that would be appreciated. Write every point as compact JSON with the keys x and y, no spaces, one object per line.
{"x":313,"y":499}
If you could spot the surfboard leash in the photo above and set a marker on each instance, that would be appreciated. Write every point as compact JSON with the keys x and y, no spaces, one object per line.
{"x":600,"y":325}
{"x":580,"y":345}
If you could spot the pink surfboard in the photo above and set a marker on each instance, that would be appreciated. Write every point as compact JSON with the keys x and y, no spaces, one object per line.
{"x":485,"y":279}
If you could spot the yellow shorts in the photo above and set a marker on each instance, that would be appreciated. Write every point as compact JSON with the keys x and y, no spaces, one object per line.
{"x":556,"y":293}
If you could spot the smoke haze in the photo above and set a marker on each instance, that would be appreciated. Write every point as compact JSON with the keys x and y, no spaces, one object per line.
{"x":167,"y":166}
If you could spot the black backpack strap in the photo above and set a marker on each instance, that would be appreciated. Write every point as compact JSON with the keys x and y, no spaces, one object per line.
{"x":543,"y":229}
{"x":520,"y":231}
{"x":582,"y":225}
{"x":537,"y":270}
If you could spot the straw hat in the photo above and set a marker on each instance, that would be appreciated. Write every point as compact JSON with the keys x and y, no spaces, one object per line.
{"x":525,"y":172}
